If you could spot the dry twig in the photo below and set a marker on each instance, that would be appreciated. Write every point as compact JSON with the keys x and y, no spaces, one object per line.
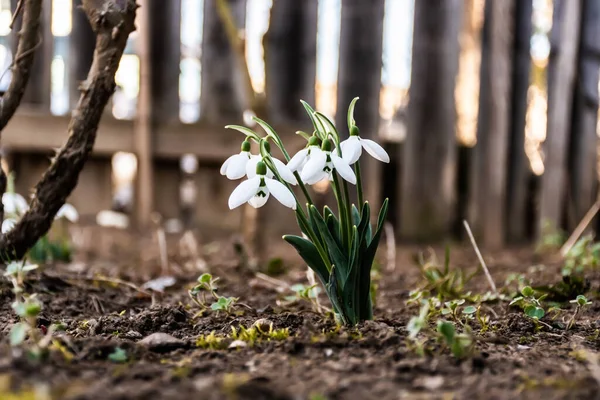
{"x":480,"y":257}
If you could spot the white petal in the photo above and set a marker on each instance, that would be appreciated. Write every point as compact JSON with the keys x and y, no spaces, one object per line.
{"x":244,"y":192}
{"x":285,"y":172}
{"x":69,"y":212}
{"x":299,"y":158}
{"x":226,"y":164}
{"x":236,"y":168}
{"x":14,"y":203}
{"x":343,"y":169}
{"x":8,"y":224}
{"x":281,"y":193}
{"x":251,"y":166}
{"x":314,"y":166}
{"x":318,"y":178}
{"x":375,"y":150}
{"x":259,"y":201}
{"x":351,"y":149}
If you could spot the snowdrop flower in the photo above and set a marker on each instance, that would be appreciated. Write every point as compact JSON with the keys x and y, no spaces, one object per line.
{"x":235,"y":166}
{"x":256,"y":191}
{"x":14,"y":203}
{"x":8,"y":224}
{"x":300,"y":159}
{"x":352,"y":148}
{"x":321,"y":164}
{"x":68,"y":212}
{"x":283,"y":170}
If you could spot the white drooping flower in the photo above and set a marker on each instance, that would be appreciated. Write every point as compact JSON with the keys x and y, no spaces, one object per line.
{"x":257,"y":190}
{"x":282,"y":169}
{"x":8,"y":224}
{"x":14,"y":203}
{"x":235,"y":166}
{"x":322,"y":163}
{"x":299,"y":160}
{"x":352,"y":148}
{"x":68,"y":212}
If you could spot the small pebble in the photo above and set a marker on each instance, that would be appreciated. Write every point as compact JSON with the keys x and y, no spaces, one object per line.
{"x":161,"y":342}
{"x":238,"y":344}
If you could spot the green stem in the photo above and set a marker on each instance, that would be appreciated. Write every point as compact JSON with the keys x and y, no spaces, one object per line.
{"x":341,"y":209}
{"x":313,"y":237}
{"x":359,"y":189}
{"x":348,"y":210}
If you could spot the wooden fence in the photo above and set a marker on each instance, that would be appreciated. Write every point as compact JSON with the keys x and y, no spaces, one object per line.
{"x":433,"y":182}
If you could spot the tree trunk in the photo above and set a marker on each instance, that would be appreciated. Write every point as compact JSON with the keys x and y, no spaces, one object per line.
{"x":428,"y":179}
{"x":561,"y":84}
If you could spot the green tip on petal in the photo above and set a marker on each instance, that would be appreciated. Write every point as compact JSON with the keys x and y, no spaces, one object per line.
{"x":327,"y":145}
{"x":246,"y":145}
{"x":261,"y":168}
{"x":354,"y":131}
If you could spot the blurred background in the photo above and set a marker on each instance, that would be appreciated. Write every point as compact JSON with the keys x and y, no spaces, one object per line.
{"x":488,"y":108}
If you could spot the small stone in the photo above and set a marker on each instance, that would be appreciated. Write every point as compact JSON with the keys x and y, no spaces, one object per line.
{"x":429,"y":382}
{"x":328,"y":352}
{"x":161,"y":342}
{"x":238,"y":344}
{"x":520,"y":347}
{"x":132,"y":335}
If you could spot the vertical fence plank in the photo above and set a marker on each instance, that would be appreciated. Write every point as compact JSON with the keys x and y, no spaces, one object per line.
{"x":94,"y":189}
{"x":493,"y":142}
{"x":144,"y":193}
{"x":429,"y":173}
{"x":561,"y":84}
{"x":359,"y":75}
{"x":223,"y":90}
{"x":290,"y":59}
{"x":81,"y":51}
{"x":518,"y":169}
{"x":476,"y":170}
{"x":164,"y":55}
{"x":583,"y":158}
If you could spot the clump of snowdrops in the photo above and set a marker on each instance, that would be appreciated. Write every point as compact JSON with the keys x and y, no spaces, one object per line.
{"x":338,"y":246}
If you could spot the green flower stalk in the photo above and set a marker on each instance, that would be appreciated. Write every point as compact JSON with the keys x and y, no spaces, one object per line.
{"x":340,"y":248}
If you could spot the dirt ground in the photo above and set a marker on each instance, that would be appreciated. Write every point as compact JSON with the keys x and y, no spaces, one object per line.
{"x":103,"y":308}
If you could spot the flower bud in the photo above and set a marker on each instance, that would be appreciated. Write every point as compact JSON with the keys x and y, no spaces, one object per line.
{"x":327,"y":145}
{"x":261,"y":168}
{"x":246,"y":145}
{"x":314,"y":141}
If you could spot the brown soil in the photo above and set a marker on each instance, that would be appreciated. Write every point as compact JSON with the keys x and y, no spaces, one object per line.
{"x":317,"y":361}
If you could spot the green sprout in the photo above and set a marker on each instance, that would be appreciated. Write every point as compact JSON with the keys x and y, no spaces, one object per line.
{"x":446,"y":283}
{"x":460,"y":344}
{"x":28,"y":308}
{"x":531,"y":305}
{"x":580,"y":302}
{"x":206,"y":283}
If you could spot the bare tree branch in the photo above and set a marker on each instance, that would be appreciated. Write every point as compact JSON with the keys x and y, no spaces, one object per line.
{"x":21,"y":66}
{"x":112,"y":21}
